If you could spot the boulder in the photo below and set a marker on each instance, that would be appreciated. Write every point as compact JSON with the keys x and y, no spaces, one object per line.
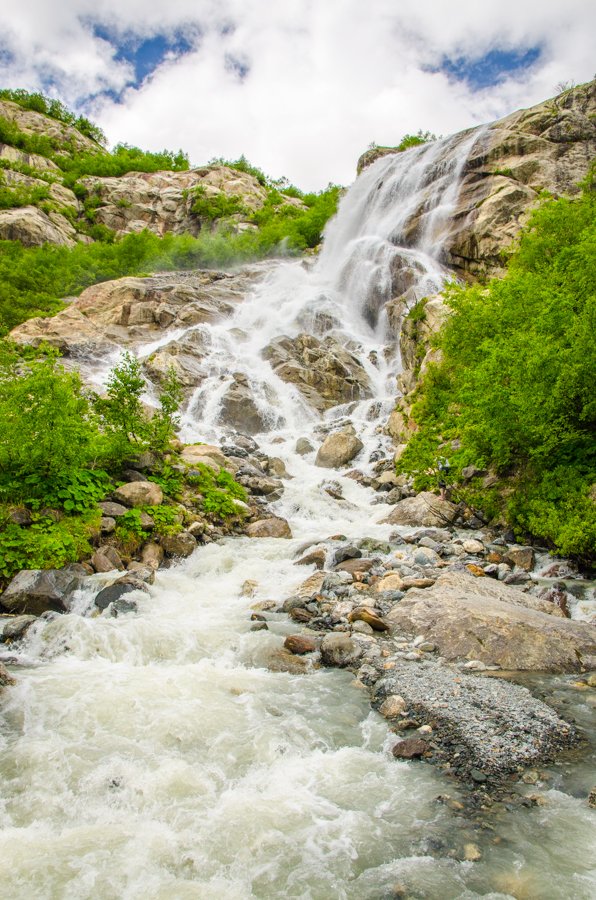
{"x":152,"y":555}
{"x":325,"y":373}
{"x":16,"y":628}
{"x":410,"y":748}
{"x":523,"y":557}
{"x":181,"y":544}
{"x":32,"y":227}
{"x":139,"y":493}
{"x":35,"y":591}
{"x":339,"y":650}
{"x":338,"y":449}
{"x":486,"y":620}
{"x":239,"y":410}
{"x":274,"y":526}
{"x":194,"y":454}
{"x":114,"y":592}
{"x":424,"y":509}
{"x":300,"y":643}
{"x":106,"y":558}
{"x":6,"y":678}
{"x":304,"y":447}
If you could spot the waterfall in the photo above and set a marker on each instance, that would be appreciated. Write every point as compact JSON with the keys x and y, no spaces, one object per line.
{"x":160,"y":754}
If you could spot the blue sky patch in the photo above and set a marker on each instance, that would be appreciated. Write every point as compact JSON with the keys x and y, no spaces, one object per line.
{"x":146,"y":54}
{"x":490,"y":69}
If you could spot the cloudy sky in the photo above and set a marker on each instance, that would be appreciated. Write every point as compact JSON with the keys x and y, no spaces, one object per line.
{"x":301,"y":87}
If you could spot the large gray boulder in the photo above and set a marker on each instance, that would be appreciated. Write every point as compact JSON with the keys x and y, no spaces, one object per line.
{"x":424,"y":509}
{"x":482,"y":619}
{"x":139,"y":493}
{"x":338,"y":449}
{"x":35,"y":591}
{"x":274,"y":526}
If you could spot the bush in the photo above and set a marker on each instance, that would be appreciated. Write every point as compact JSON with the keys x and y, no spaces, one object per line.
{"x":219,"y":491}
{"x":515,"y":385}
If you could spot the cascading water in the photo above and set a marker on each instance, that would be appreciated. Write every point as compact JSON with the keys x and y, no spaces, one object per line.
{"x":155,"y":756}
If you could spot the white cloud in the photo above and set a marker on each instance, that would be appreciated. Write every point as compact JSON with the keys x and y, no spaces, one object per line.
{"x":325,"y":77}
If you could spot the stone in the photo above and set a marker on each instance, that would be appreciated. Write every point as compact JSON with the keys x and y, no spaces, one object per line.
{"x":324,"y":371}
{"x":522,"y":557}
{"x":181,"y":544}
{"x":106,"y":558}
{"x":363,"y":614}
{"x":471,"y":546}
{"x":193,"y":454}
{"x":486,"y":620}
{"x":20,"y":516}
{"x":472,"y":852}
{"x":314,"y":558}
{"x":112,"y":510}
{"x":424,"y":509}
{"x":338,"y":449}
{"x":355,"y":566}
{"x":107,"y":525}
{"x":152,"y":555}
{"x":339,"y":650}
{"x":239,"y":409}
{"x":114,"y":592}
{"x":35,"y":591}
{"x":274,"y":526}
{"x":304,"y":447}
{"x":276,"y":467}
{"x":32,"y":227}
{"x":142,"y":572}
{"x":279,"y":659}
{"x":139,"y":493}
{"x":392,"y":706}
{"x":299,"y":644}
{"x":391,"y":582}
{"x":16,"y":628}
{"x":410,"y":748}
{"x":6,"y":678}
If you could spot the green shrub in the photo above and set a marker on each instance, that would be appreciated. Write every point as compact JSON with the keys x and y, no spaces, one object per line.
{"x":215,"y":206}
{"x":45,"y":544}
{"x":218,"y":491}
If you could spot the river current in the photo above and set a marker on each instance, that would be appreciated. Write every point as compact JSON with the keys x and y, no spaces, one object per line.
{"x":160,"y":755}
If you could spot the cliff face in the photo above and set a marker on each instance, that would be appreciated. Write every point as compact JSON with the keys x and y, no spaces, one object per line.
{"x":548,"y":147}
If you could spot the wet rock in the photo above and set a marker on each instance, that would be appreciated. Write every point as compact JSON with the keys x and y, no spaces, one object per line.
{"x":35,"y":591}
{"x":259,"y":626}
{"x":339,"y":650}
{"x":423,"y":509}
{"x":338,"y":449}
{"x":6,"y":678}
{"x":181,"y":544}
{"x":139,"y":493}
{"x":468,"y":618}
{"x":410,"y":748}
{"x":314,"y":558}
{"x":279,"y":659}
{"x":523,"y":557}
{"x":106,"y":558}
{"x":304,"y":447}
{"x":274,"y":526}
{"x":276,"y":467}
{"x":557,"y":595}
{"x":239,"y":409}
{"x":299,"y":644}
{"x":142,"y":572}
{"x":592,"y":798}
{"x":16,"y":628}
{"x":325,"y":373}
{"x":333,"y":489}
{"x":344,"y":553}
{"x":114,"y":592}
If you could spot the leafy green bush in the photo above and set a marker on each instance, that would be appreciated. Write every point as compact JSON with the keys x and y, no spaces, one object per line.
{"x":55,"y":110}
{"x":515,"y":385}
{"x":166,"y":519}
{"x":21,"y":195}
{"x":218,"y":491}
{"x":215,"y":206}
{"x":45,"y":544}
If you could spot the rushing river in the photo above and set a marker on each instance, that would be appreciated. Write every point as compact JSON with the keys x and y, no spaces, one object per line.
{"x":160,"y":755}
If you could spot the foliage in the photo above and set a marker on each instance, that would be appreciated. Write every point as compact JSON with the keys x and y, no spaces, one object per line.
{"x":45,"y":544}
{"x":514,"y":387}
{"x":21,"y":195}
{"x":165,"y":420}
{"x":55,"y":110}
{"x":215,"y":206}
{"x":218,"y":491}
{"x":166,"y":519}
{"x":121,"y":410}
{"x":170,"y":481}
{"x":415,"y":140}
{"x":124,"y":158}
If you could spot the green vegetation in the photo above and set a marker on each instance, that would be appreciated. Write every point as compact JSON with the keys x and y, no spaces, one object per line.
{"x":415,"y":140}
{"x":215,"y":206}
{"x":63,"y":449}
{"x":515,"y":385}
{"x":55,"y":109}
{"x":21,"y":195}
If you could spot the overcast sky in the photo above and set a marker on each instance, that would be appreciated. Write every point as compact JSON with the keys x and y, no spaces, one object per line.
{"x":301,"y":87}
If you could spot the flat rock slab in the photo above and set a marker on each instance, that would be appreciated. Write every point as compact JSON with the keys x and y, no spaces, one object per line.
{"x":494,"y":726}
{"x":480,"y":618}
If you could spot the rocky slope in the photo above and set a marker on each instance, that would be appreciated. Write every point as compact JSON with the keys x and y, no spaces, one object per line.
{"x":548,"y":147}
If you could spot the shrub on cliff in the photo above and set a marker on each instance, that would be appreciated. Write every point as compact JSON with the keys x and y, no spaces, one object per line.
{"x":515,"y":385}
